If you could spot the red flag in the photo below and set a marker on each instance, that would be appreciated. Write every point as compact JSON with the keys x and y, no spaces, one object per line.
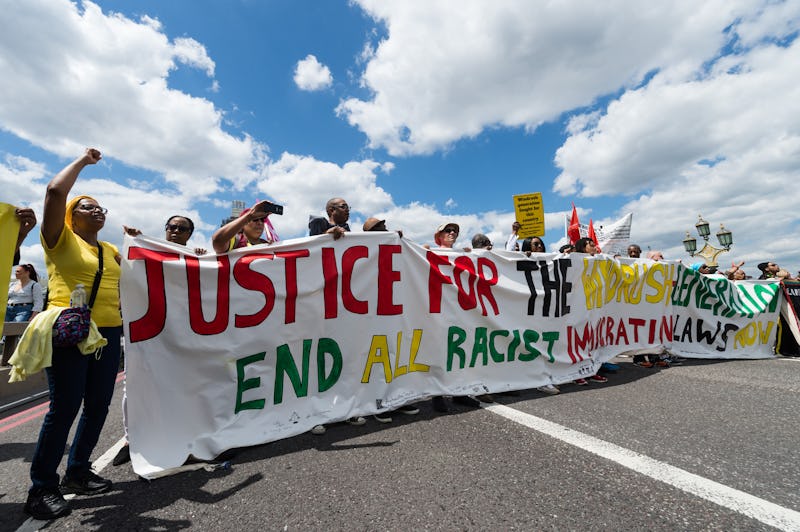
{"x":593,"y":236}
{"x":574,"y":230}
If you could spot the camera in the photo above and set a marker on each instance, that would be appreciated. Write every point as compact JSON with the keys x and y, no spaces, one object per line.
{"x":274,"y":208}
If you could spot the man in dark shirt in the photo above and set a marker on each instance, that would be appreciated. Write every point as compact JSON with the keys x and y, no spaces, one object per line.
{"x":338,"y":213}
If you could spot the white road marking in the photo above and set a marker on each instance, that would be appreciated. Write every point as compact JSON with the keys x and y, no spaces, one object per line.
{"x":767,"y":512}
{"x":106,"y":458}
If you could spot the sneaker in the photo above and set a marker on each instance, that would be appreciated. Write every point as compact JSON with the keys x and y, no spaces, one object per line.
{"x":485,"y":398}
{"x":356,"y":421}
{"x":383,"y":418}
{"x":598,"y":378}
{"x":662,"y":364}
{"x":644,"y":364}
{"x":89,"y":484}
{"x":409,"y":410}
{"x":609,"y":367}
{"x":581,"y":382}
{"x":47,"y":504}
{"x":440,"y":405}
{"x":123,"y":456}
{"x":467,"y":400}
{"x":318,"y":430}
{"x":549,"y":389}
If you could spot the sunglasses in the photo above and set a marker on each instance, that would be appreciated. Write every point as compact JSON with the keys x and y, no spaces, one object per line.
{"x":450,"y":230}
{"x":177,"y":228}
{"x":91,"y":208}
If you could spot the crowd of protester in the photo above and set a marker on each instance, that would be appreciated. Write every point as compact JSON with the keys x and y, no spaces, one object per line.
{"x":74,"y":254}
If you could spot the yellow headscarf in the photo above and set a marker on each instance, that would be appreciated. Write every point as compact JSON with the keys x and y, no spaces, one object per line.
{"x":71,"y":204}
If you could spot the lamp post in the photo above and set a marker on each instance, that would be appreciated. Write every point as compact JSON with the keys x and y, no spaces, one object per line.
{"x":708,"y":252}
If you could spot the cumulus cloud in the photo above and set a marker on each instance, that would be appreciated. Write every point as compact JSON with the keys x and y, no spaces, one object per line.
{"x":722,"y":141}
{"x":147,"y":209}
{"x":447,"y":71}
{"x":311,"y":75}
{"x":106,"y":78}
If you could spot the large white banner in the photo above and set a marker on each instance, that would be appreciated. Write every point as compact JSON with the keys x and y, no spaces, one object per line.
{"x":265,"y":342}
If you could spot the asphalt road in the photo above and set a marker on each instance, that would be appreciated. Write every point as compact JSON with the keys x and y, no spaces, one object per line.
{"x":710,"y":445}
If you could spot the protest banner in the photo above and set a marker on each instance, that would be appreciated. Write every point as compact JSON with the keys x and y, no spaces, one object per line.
{"x":265,"y":342}
{"x":612,"y":238}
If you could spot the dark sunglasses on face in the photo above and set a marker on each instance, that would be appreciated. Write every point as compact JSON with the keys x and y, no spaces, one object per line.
{"x":450,"y":230}
{"x":91,"y":208}
{"x":177,"y":228}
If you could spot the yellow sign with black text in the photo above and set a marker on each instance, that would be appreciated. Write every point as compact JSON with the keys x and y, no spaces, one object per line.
{"x":529,"y":210}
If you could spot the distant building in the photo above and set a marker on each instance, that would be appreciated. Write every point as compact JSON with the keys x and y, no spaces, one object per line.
{"x":236,"y":211}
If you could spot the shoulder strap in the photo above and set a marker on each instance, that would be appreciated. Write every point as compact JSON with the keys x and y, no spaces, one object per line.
{"x":98,"y":274}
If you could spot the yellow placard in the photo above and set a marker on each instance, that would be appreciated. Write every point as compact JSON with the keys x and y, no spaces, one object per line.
{"x":9,"y":229}
{"x":529,"y":210}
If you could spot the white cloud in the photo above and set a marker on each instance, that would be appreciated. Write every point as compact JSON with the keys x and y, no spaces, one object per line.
{"x":311,"y":75}
{"x":192,"y":53}
{"x":652,"y":136}
{"x":105,"y":77}
{"x":448,"y":70}
{"x":304,"y":184}
{"x":723,"y":142}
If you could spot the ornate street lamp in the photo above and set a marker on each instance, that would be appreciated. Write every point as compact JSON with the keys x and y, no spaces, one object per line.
{"x":708,"y":252}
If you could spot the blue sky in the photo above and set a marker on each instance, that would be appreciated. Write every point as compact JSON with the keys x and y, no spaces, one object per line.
{"x":417,"y":111}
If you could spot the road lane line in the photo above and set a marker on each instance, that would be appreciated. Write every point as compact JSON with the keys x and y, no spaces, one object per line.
{"x":106,"y":458}
{"x":23,"y":417}
{"x":767,"y":512}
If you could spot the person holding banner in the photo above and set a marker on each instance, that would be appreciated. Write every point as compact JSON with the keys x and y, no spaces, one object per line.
{"x":587,"y":245}
{"x":73,"y":255}
{"x":378,"y":225}
{"x":179,"y":230}
{"x":445,"y":238}
{"x":338,"y":212}
{"x":532,"y":244}
{"x":246,"y":230}
{"x":481,"y":241}
{"x":336,"y":225}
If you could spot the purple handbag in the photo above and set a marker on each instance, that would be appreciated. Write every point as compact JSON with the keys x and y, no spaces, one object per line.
{"x":72,"y":325}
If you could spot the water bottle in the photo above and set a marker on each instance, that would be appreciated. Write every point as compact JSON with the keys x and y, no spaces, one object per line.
{"x":78,"y":296}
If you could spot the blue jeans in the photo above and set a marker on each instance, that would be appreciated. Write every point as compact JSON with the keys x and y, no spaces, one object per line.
{"x":19,"y":313}
{"x":73,"y":379}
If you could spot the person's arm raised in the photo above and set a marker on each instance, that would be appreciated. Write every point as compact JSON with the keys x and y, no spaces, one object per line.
{"x":27,"y":221}
{"x":55,"y":199}
{"x":221,"y":238}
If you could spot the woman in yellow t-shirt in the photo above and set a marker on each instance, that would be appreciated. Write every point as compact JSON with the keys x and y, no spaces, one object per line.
{"x":69,"y":234}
